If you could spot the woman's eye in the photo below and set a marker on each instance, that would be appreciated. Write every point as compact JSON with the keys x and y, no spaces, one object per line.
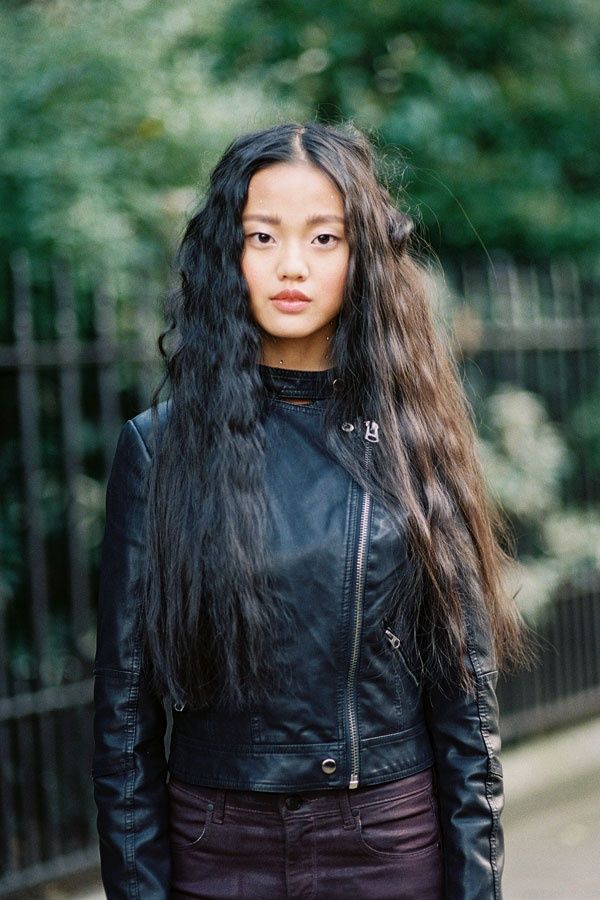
{"x":259,"y":237}
{"x":326,"y":240}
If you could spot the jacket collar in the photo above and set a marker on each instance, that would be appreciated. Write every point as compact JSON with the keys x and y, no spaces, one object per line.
{"x":294,"y":383}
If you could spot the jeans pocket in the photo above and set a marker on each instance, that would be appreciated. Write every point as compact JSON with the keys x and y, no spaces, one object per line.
{"x":190,"y":816}
{"x":403,"y":827}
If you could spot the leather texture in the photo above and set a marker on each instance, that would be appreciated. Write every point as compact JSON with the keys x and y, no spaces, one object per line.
{"x":352,"y":707}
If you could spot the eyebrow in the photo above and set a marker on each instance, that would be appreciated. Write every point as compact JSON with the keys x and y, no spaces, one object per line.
{"x":317,"y":219}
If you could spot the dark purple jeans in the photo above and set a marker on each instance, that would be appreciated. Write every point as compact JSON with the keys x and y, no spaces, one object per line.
{"x":372,"y":843}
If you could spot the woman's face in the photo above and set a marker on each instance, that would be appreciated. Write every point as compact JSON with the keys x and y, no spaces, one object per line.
{"x":295,"y":262}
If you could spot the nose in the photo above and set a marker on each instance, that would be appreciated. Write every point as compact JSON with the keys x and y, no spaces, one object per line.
{"x":291,"y":262}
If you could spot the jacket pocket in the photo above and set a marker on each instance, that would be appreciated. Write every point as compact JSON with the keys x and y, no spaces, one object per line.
{"x":396,"y":645}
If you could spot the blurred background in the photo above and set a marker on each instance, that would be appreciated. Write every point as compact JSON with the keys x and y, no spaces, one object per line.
{"x":486,"y":117}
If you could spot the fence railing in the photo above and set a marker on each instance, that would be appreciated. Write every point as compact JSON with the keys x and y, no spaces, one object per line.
{"x":65,"y":388}
{"x":564,"y":684}
{"x":64,"y":398}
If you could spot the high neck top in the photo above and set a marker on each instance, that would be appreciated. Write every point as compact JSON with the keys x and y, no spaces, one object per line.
{"x":296,"y":383}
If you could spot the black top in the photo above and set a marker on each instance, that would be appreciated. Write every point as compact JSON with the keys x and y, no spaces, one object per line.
{"x":298,"y":384}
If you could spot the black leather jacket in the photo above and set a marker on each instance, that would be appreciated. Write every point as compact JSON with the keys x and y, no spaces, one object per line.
{"x":356,"y":712}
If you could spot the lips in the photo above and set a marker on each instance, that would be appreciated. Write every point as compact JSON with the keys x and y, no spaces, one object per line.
{"x":291,"y":295}
{"x":290,"y":301}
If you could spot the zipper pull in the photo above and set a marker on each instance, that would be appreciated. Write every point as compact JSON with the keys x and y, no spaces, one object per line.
{"x":372,"y":431}
{"x":394,"y":641}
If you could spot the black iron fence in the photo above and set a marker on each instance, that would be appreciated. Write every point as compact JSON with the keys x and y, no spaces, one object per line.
{"x":73,"y":366}
{"x":564,"y":684}
{"x":64,"y":394}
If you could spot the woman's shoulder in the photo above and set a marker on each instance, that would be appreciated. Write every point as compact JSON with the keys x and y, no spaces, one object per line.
{"x":149,"y":424}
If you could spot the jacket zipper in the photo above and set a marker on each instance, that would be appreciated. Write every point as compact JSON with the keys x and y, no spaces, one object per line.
{"x":355,"y":650}
{"x":394,"y":641}
{"x":397,"y":646}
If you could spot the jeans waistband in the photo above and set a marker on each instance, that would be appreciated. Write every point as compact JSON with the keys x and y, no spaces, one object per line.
{"x":307,"y":802}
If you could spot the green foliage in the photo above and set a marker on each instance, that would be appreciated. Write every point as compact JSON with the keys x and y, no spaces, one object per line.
{"x":111,"y":114}
{"x":526,"y":457}
{"x":109,"y":121}
{"x":494,"y":104}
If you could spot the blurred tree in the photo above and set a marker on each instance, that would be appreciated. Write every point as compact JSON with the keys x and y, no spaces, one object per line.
{"x":493,"y":102}
{"x":526,"y":458}
{"x":109,"y":119}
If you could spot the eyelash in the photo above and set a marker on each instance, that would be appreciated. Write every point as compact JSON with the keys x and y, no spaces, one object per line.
{"x":258,"y":234}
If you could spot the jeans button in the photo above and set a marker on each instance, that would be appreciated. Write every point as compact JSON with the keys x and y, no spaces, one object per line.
{"x":293,"y":802}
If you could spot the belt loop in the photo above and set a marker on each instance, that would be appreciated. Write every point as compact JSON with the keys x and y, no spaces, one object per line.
{"x":219,"y":806}
{"x":345,"y":809}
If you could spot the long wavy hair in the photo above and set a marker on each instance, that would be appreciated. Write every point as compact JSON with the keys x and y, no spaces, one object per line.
{"x":211,"y":616}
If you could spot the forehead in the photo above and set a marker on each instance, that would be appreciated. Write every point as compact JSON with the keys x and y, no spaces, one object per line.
{"x":289,"y":187}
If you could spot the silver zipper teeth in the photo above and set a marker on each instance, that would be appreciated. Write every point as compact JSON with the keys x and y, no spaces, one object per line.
{"x":360,"y":585}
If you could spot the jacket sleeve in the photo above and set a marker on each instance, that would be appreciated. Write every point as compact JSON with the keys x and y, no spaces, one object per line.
{"x":129,"y":766}
{"x":466,"y":742}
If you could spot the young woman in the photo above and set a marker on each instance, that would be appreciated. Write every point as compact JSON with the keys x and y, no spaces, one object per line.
{"x":301,"y":564}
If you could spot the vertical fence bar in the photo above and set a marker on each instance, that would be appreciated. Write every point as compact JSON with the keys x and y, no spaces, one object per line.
{"x":552,"y":655}
{"x":500,"y":311}
{"x":30,"y":841}
{"x":594,"y":600}
{"x":584,"y":374}
{"x":558,"y":317}
{"x":83,"y":631}
{"x":105,"y":322}
{"x":515,"y":320}
{"x":72,"y":453}
{"x":147,"y":330}
{"x":7,"y":796}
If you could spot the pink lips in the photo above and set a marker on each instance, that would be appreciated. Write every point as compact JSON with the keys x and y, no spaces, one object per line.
{"x":290,"y":301}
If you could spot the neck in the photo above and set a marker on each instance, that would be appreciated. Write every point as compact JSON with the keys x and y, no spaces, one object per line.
{"x":309,"y":354}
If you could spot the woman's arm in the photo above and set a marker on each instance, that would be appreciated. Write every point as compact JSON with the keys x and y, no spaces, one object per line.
{"x":466,"y":742}
{"x":129,"y":768}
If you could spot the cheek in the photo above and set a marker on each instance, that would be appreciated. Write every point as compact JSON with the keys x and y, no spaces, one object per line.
{"x":247,"y":271}
{"x":251,"y":270}
{"x":337,"y":279}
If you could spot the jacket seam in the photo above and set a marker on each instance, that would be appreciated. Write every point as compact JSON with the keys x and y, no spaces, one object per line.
{"x":489,"y":796}
{"x":134,"y":694}
{"x":484,"y":731}
{"x":288,"y":749}
{"x":282,"y":787}
{"x":249,"y":749}
{"x":111,"y":670}
{"x":309,"y":408}
{"x":142,"y":441}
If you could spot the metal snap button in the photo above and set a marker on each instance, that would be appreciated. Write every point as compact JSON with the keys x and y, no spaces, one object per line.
{"x":329,"y":766}
{"x":293,"y":802}
{"x":347,"y":426}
